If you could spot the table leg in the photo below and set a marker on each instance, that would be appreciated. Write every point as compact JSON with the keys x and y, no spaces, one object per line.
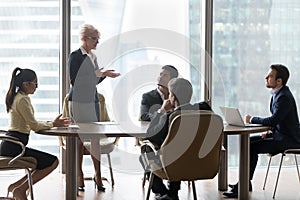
{"x":223,"y":170}
{"x":71,"y":168}
{"x":244,"y":167}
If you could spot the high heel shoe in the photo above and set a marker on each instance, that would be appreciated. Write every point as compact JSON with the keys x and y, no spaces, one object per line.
{"x":19,"y":194}
{"x":81,"y":188}
{"x":99,"y":187}
{"x":80,"y":184}
{"x":10,"y":189}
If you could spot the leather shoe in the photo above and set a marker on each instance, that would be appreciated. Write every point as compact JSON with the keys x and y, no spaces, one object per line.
{"x":167,"y":197}
{"x":235,"y":188}
{"x":157,"y":196}
{"x":231,"y":194}
{"x":81,"y":188}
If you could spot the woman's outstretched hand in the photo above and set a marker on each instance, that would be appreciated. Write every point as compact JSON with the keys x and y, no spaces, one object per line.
{"x":61,"y":122}
{"x":111,"y":73}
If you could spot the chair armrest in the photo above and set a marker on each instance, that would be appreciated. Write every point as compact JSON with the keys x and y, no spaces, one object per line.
{"x":61,"y":141}
{"x":116,"y":142}
{"x":149,"y":154}
{"x":151,"y":145}
{"x":16,"y":141}
{"x":3,"y":131}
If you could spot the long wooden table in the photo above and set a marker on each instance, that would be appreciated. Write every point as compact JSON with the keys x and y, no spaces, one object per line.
{"x":244,"y":162}
{"x":100,"y":129}
{"x":92,"y":131}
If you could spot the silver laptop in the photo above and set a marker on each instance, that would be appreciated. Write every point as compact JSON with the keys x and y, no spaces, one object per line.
{"x":233,"y":117}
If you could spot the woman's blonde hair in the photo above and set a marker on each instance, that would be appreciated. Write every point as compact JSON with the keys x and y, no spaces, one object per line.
{"x":87,"y":30}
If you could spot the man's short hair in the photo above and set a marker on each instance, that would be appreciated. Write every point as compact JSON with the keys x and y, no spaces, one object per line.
{"x":173,"y":71}
{"x":182,"y":89}
{"x":281,"y":72}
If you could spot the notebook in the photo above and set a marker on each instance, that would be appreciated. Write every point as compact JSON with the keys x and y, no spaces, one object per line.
{"x":233,"y":117}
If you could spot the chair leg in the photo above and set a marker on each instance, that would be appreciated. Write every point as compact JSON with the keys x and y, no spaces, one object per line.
{"x":110,"y":170}
{"x":278,"y":176}
{"x":194,"y":190}
{"x":28,"y":171}
{"x":267,"y":172}
{"x":137,"y":142}
{"x":150,"y":186}
{"x":62,"y":153}
{"x":189,"y":184}
{"x":144,"y":179}
{"x":296,"y":162}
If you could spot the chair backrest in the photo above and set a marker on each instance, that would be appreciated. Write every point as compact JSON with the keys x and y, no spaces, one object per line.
{"x":192,"y":149}
{"x":104,"y":117}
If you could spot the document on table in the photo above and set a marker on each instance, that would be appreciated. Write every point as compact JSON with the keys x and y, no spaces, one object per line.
{"x":72,"y":126}
{"x":106,"y":123}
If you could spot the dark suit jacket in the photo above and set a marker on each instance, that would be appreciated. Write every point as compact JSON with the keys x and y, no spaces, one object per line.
{"x":83,"y":78}
{"x":284,"y":119}
{"x":151,"y":102}
{"x":159,"y":125}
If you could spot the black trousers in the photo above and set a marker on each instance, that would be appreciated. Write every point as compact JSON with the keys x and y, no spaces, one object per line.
{"x":258,"y":145}
{"x":159,"y":187}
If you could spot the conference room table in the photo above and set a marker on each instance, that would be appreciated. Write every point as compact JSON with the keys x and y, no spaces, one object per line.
{"x":94,"y":130}
{"x":244,"y":146}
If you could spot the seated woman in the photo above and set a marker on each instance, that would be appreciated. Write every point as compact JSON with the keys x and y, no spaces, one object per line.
{"x":22,"y":121}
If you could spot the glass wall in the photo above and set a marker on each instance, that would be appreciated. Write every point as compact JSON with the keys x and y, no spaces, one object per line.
{"x":138,"y":37}
{"x":133,"y":39}
{"x":29,"y":38}
{"x":248,"y":37}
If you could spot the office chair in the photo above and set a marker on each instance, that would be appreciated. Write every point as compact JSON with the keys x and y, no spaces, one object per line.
{"x":295,"y":152}
{"x":18,"y":162}
{"x":107,"y":145}
{"x":191,"y":150}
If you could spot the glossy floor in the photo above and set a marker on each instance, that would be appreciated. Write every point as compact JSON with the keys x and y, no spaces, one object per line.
{"x":128,"y":186}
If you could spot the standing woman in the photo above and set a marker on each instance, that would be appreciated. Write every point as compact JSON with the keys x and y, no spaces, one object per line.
{"x":85,"y":75}
{"x":22,"y":121}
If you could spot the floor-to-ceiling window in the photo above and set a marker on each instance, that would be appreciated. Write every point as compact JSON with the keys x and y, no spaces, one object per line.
{"x":248,"y":36}
{"x":137,"y":39}
{"x":29,"y":38}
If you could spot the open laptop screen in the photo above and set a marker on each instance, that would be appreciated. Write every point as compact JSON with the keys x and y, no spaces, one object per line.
{"x":233,"y":117}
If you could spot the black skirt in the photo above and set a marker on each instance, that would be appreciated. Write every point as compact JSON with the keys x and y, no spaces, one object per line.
{"x":7,"y":148}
